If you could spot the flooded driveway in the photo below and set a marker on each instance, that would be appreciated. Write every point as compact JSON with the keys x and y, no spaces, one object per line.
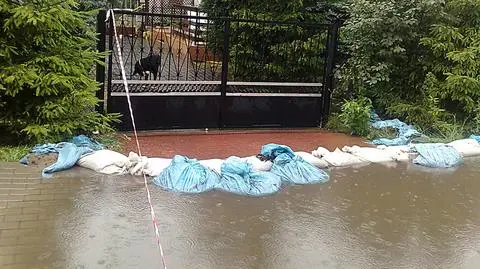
{"x":370,"y":217}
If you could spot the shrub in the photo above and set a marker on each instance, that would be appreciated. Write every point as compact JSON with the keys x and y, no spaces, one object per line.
{"x":382,"y":39}
{"x":454,"y":60}
{"x":46,"y":54}
{"x":356,"y":115}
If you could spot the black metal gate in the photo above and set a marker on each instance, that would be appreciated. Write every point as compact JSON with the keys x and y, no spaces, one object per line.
{"x":196,"y":71}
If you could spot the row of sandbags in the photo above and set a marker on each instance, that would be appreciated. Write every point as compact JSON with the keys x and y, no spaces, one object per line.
{"x":435,"y":155}
{"x":431,"y":155}
{"x":252,"y":176}
{"x":87,"y":153}
{"x":239,"y":176}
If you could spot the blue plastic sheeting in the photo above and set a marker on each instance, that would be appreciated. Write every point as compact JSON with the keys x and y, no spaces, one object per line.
{"x":81,"y":141}
{"x":238,"y":177}
{"x":85,"y":141}
{"x":68,"y":155}
{"x":271,"y":151}
{"x":295,"y":170}
{"x":187,"y":176}
{"x":476,"y":137}
{"x":405,"y":132}
{"x":46,"y":148}
{"x":437,"y":156}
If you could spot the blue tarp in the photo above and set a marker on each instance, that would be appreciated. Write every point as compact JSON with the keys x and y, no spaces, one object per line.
{"x":437,"y":156}
{"x":271,"y":151}
{"x":238,"y":177}
{"x":295,"y":170}
{"x":405,"y":132}
{"x":187,"y":176}
{"x":85,"y":141}
{"x":476,"y":137}
{"x":69,"y":153}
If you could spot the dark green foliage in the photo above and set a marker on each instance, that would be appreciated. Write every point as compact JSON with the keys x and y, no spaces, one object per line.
{"x":356,"y":116}
{"x":382,"y":40}
{"x":417,"y":60}
{"x":272,"y":52}
{"x":46,"y":54}
{"x":454,"y":63}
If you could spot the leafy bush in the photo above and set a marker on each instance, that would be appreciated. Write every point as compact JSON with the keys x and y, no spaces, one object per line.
{"x":417,"y":60}
{"x":454,"y":62}
{"x":382,"y":39}
{"x":356,"y":115}
{"x":46,"y":93}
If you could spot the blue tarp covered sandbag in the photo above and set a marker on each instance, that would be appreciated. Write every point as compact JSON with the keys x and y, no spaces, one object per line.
{"x":187,"y":176}
{"x":238,"y":177}
{"x":405,"y":132}
{"x":295,"y":170}
{"x":271,"y":151}
{"x":437,"y":156}
{"x":68,"y":155}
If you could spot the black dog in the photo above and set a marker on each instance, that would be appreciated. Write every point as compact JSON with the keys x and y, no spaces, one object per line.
{"x":148,"y":65}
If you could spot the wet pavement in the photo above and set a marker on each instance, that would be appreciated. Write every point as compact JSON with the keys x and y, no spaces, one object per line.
{"x":223,"y":144}
{"x":369,"y":217}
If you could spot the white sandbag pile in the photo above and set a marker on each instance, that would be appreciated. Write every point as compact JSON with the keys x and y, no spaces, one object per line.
{"x":372,"y":155}
{"x":313,"y":160}
{"x":320,"y":152}
{"x":114,"y":163}
{"x":466,"y":147}
{"x":339,"y":158}
{"x":111,"y":162}
{"x":106,"y":162}
{"x":399,"y":153}
{"x":355,"y":155}
{"x":258,"y":165}
{"x":151,"y":166}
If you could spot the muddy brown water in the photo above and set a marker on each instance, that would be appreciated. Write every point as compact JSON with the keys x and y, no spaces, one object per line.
{"x":367,"y":217}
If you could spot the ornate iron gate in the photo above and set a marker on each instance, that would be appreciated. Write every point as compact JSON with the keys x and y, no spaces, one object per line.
{"x":188,"y":70}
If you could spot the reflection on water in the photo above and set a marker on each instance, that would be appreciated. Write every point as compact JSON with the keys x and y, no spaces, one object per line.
{"x":367,"y":217}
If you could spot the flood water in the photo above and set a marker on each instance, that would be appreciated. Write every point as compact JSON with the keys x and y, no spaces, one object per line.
{"x":369,"y":217}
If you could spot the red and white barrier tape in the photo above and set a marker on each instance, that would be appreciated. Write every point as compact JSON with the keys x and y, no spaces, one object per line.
{"x":111,"y":14}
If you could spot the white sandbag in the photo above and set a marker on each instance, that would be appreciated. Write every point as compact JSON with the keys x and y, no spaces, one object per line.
{"x":466,"y":147}
{"x":320,"y":152}
{"x":340,"y":158}
{"x":373,"y":155}
{"x":399,"y":153}
{"x":309,"y":158}
{"x":136,"y":164}
{"x":213,"y":164}
{"x":151,"y":166}
{"x":105,"y":161}
{"x":112,"y":170}
{"x":156,"y":166}
{"x":259,"y":165}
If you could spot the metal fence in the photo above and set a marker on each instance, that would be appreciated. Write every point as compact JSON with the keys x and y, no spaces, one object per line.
{"x":166,"y":6}
{"x":184,"y":51}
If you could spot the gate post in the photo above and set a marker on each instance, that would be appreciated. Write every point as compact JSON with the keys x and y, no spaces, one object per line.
{"x":332,"y":42}
{"x":224,"y":78}
{"x":110,"y":62}
{"x":100,"y":68}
